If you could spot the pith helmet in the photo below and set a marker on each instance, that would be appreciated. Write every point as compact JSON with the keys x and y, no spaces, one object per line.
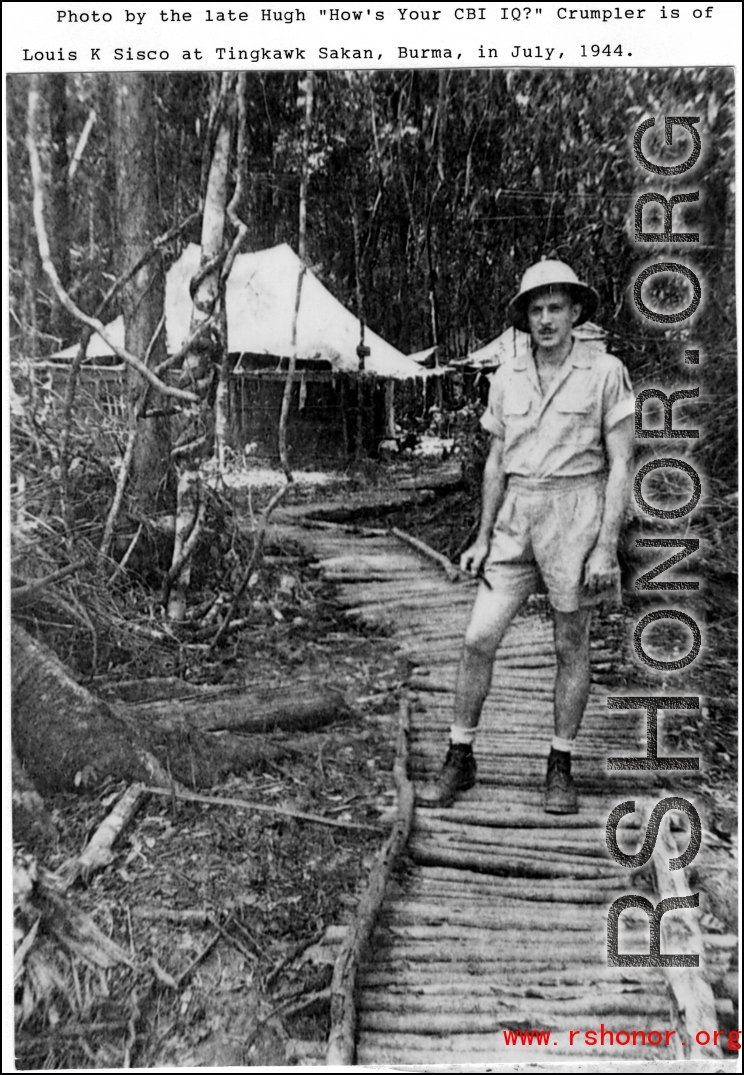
{"x":550,"y":274}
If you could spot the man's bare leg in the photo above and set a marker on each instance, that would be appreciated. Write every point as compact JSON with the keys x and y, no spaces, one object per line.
{"x":492,"y":613}
{"x":571,"y":633}
{"x":571,"y":694}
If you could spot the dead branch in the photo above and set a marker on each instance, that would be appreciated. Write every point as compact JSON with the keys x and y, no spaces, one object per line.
{"x":18,"y":593}
{"x":186,"y":549}
{"x":125,"y":558}
{"x":692,"y":996}
{"x":166,"y":914}
{"x":342,"y":1037}
{"x":257,"y":546}
{"x":183,"y":978}
{"x":233,"y":941}
{"x":244,"y":804}
{"x":98,"y":852}
{"x":453,"y":573}
{"x":64,"y":440}
{"x":121,"y":484}
{"x":81,"y":144}
{"x":50,"y":270}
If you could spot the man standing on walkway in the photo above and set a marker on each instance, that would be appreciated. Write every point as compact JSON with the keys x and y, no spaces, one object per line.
{"x":555,"y":487}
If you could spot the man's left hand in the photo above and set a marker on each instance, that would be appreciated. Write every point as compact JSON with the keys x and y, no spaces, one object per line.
{"x":601,"y":571}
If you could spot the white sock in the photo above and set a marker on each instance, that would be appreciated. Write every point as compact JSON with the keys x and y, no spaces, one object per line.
{"x":566,"y":745}
{"x":458,"y":734}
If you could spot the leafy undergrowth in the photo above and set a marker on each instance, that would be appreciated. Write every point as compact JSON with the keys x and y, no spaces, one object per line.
{"x":215,"y":904}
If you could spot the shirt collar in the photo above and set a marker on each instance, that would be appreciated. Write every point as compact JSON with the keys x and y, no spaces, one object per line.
{"x":579,"y":356}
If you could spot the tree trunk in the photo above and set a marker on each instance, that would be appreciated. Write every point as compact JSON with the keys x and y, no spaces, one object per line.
{"x":67,"y":738}
{"x":143,"y":296}
{"x":202,"y":363}
{"x":55,"y":93}
{"x":51,"y":139}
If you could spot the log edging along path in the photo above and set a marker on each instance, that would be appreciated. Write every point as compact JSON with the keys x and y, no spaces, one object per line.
{"x":494,"y":918}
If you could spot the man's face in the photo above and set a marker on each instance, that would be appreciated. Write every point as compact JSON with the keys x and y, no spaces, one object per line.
{"x":551,"y":315}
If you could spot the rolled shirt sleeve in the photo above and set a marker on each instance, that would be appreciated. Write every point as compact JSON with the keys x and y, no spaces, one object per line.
{"x":618,"y":401}
{"x":492,"y":418}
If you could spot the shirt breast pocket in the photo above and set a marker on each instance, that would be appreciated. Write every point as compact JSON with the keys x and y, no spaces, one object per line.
{"x":576,"y":417}
{"x":517,"y":402}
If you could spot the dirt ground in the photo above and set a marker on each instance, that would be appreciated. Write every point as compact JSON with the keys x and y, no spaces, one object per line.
{"x":218,"y":905}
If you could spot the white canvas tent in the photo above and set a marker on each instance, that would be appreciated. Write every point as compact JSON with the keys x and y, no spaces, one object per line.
{"x":512,"y":342}
{"x":260,"y":299}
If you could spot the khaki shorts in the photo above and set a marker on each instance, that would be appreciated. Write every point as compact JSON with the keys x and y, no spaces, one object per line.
{"x":544,"y":532}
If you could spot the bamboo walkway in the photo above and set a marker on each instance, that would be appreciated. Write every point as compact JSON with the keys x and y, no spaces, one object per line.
{"x":496,"y":919}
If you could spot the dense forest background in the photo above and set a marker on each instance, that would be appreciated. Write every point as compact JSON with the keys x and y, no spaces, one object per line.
{"x":417,"y":197}
{"x":429,"y":192}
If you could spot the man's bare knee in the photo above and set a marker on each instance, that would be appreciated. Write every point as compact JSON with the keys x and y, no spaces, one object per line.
{"x":479,"y":646}
{"x":572,"y":637}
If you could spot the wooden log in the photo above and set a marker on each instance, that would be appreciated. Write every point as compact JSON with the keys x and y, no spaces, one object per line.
{"x":298,"y":707}
{"x":438,"y":934}
{"x":342,"y":1035}
{"x":512,"y":982}
{"x":99,"y":851}
{"x":554,"y":1013}
{"x":346,"y":512}
{"x":438,"y":1024}
{"x":502,"y":841}
{"x":520,"y":816}
{"x":546,"y":887}
{"x":565,"y":894}
{"x":693,"y":1002}
{"x":428,"y":854}
{"x":452,"y":572}
{"x":540,"y":918}
{"x":245,"y":804}
{"x":500,"y":978}
{"x":562,"y":948}
{"x":488,"y":1053}
{"x":344,"y":528}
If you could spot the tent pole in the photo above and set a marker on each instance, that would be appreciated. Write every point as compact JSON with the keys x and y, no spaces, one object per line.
{"x":390,"y":409}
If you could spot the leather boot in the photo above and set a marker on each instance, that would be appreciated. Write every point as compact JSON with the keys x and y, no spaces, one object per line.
{"x":458,"y":774}
{"x":560,"y":793}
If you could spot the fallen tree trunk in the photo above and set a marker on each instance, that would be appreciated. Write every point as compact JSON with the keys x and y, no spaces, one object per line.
{"x":67,"y":738}
{"x":299,"y":708}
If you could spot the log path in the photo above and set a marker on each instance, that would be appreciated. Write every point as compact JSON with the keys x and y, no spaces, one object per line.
{"x":496,"y":918}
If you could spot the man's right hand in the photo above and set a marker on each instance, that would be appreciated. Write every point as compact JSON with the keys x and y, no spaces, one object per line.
{"x":472,"y":559}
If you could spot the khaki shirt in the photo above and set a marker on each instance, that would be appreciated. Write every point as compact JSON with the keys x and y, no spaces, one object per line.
{"x":562,"y":433}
